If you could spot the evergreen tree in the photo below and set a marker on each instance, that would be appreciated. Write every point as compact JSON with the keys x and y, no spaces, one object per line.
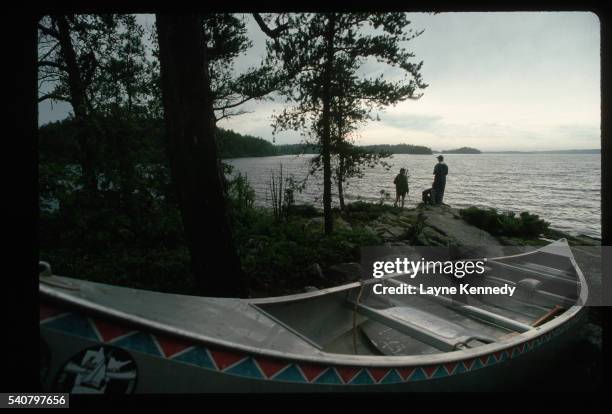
{"x":324,"y":53}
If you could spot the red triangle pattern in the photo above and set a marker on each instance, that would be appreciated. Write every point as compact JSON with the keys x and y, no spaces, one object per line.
{"x":484,"y":360}
{"x":171,"y":346}
{"x":312,"y":371}
{"x":347,"y":373}
{"x":270,"y":367}
{"x":498,"y":355}
{"x":430,"y":370}
{"x":225,"y":359}
{"x":451,"y":367}
{"x":469,"y":363}
{"x":47,"y":312}
{"x":378,"y":373}
{"x":405,"y":373}
{"x":108,"y":331}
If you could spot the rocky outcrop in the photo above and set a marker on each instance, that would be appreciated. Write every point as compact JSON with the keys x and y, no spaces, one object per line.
{"x":433,"y":226}
{"x":443,"y":226}
{"x":392,"y":228}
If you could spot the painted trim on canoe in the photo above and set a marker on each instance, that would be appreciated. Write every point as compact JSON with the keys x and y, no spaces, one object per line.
{"x":364,"y":360}
{"x":247,"y":365}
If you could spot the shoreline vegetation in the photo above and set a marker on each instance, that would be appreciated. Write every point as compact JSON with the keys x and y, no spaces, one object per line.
{"x":232,"y":144}
{"x":281,"y":252}
{"x":235,"y":145}
{"x":131,"y":234}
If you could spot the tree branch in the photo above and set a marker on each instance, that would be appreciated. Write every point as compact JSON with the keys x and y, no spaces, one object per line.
{"x":272,"y":33}
{"x":47,"y":53}
{"x":48,"y":31}
{"x":53,"y":96}
{"x":48,"y":63}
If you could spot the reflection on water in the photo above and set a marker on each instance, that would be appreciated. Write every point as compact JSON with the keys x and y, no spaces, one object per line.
{"x":563,"y":189}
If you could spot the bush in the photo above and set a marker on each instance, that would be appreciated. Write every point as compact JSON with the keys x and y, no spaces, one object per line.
{"x":276,"y":255}
{"x":304,"y":210}
{"x":360,"y":211}
{"x":505,"y":223}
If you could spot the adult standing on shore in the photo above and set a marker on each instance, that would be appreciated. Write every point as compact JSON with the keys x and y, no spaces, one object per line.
{"x":440,"y":172}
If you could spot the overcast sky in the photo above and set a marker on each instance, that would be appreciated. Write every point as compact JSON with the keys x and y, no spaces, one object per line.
{"x":497,"y":81}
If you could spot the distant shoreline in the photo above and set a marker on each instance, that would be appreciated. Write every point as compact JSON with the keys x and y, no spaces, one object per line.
{"x":572,"y":151}
{"x":552,"y":152}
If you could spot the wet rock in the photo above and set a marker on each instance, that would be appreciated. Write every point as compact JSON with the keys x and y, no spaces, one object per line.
{"x":428,"y":236}
{"x":393,"y":227}
{"x":447,"y":228}
{"x":396,"y":232}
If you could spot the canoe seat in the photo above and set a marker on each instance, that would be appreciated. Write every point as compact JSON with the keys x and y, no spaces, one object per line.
{"x":426,"y":327}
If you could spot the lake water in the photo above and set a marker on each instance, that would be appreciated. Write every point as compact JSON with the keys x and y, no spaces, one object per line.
{"x":564,"y":189}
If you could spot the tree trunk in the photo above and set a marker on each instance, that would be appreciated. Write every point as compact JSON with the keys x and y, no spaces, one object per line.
{"x":340,"y":178}
{"x":79,"y":105}
{"x":326,"y":121}
{"x":192,"y":151}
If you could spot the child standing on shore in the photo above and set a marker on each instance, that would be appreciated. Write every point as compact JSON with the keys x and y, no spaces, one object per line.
{"x":401,"y":186}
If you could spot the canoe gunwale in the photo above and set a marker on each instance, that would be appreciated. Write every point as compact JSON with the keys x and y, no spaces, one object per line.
{"x":325,"y":357}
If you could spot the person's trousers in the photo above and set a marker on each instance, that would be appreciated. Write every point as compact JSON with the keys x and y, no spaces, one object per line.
{"x":438,"y":194}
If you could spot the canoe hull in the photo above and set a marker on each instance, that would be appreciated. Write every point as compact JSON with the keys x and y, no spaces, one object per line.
{"x":168,"y":365}
{"x":97,"y":338}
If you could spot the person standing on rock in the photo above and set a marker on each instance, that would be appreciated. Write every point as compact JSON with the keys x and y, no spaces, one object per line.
{"x":440,"y":172}
{"x":401,"y":186}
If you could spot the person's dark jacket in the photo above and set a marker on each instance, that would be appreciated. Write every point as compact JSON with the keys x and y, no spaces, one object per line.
{"x":440,"y":172}
{"x":401,"y":183}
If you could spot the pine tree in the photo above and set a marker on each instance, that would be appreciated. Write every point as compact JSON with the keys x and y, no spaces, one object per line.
{"x":324,"y":53}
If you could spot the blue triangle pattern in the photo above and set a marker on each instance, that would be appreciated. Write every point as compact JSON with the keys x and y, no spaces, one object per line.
{"x":459,"y":369}
{"x":328,"y":377}
{"x":418,"y":375}
{"x":363,"y":378}
{"x":440,"y":372}
{"x":246,"y":368}
{"x":141,"y":342}
{"x":197,"y":356}
{"x":291,"y":374}
{"x":74,"y":324}
{"x":391,"y":378}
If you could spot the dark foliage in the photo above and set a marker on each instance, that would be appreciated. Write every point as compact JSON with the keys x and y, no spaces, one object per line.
{"x":234,"y":145}
{"x":463,"y":150}
{"x":505,"y":223}
{"x":399,"y":149}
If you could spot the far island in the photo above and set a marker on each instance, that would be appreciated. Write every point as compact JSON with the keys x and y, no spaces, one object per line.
{"x":463,"y":150}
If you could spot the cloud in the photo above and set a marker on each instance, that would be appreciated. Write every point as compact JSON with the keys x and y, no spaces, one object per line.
{"x":496,"y":81}
{"x":409,"y":121}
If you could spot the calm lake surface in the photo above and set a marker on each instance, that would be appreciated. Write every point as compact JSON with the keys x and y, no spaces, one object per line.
{"x":564,"y":189}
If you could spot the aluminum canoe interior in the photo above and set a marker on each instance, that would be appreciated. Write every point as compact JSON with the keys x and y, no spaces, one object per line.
{"x":349,"y":322}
